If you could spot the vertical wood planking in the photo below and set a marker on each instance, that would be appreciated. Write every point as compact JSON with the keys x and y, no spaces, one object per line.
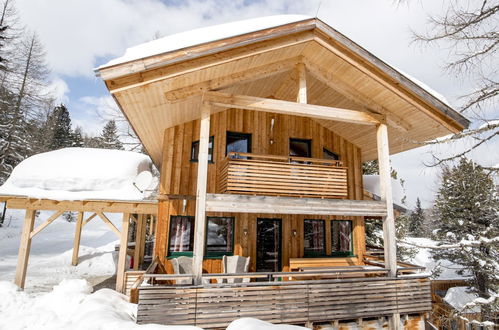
{"x":24,"y":248}
{"x":120,"y":272}
{"x":77,"y":237}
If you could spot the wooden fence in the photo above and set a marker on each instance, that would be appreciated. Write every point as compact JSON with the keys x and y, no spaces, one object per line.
{"x":290,"y":302}
{"x":245,"y":173}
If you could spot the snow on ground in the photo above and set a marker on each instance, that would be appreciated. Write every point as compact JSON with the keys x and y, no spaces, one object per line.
{"x":51,"y":251}
{"x":424,"y":258}
{"x":247,"y":323}
{"x":92,"y":174}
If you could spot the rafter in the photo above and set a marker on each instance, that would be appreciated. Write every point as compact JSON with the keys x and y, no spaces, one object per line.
{"x":292,"y":108}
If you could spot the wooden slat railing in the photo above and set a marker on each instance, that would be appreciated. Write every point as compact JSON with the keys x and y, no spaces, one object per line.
{"x":245,"y":173}
{"x":325,"y":300}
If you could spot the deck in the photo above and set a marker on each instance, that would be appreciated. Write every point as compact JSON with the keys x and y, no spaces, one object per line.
{"x":304,"y":297}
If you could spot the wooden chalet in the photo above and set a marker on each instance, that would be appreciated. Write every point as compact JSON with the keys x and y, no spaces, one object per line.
{"x":260,"y":133}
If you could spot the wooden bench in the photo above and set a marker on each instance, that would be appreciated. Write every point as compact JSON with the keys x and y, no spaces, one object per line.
{"x":297,"y":264}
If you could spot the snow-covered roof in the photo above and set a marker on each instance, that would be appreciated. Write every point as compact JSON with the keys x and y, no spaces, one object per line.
{"x":459,"y":296}
{"x":371,"y":184}
{"x":79,"y":174}
{"x":203,"y":35}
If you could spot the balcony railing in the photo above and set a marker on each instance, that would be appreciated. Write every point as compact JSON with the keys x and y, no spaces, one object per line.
{"x":245,"y":173}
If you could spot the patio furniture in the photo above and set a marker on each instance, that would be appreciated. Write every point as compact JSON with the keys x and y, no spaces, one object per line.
{"x":235,"y":265}
{"x":182,"y":265}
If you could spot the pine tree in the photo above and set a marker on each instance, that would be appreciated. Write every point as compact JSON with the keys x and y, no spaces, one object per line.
{"x":417,"y":220}
{"x":59,"y":123}
{"x":109,"y":137}
{"x":466,"y":211}
{"x":77,"y":138}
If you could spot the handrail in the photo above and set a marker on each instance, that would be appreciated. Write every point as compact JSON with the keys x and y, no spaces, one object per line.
{"x":288,"y":159}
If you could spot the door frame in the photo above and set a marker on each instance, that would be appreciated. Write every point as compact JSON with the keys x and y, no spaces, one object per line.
{"x":279,"y":221}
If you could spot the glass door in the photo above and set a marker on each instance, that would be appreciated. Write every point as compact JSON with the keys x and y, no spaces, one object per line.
{"x":268,"y":245}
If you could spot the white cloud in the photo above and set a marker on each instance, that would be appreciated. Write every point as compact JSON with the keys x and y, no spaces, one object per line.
{"x":59,"y":89}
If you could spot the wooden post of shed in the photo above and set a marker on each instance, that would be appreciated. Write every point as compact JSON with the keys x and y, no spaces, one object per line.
{"x":200,"y":221}
{"x":24,"y":248}
{"x":120,"y":272}
{"x":390,"y":246}
{"x":76,"y":242}
{"x":140,"y":238}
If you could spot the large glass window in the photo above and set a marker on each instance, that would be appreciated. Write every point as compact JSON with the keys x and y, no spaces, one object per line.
{"x":300,"y":147}
{"x":220,"y":236}
{"x":195,"y":150}
{"x":314,"y":240}
{"x":238,"y":142}
{"x":341,"y":237}
{"x":181,"y":235}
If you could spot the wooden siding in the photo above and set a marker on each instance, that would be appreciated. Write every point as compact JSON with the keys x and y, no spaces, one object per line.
{"x":178,"y":177}
{"x":288,"y":302}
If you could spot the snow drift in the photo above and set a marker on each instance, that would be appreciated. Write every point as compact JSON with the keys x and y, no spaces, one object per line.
{"x":78,"y":174}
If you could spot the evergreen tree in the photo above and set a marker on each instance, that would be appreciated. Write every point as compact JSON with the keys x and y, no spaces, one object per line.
{"x":59,"y":123}
{"x":372,"y":168}
{"x":417,"y":220}
{"x":77,"y":138}
{"x":109,"y":137}
{"x":466,"y":211}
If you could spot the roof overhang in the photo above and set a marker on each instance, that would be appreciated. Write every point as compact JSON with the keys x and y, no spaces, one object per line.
{"x":165,"y":90}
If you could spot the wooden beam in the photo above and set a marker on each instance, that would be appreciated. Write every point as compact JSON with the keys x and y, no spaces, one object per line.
{"x":390,"y":246}
{"x":24,"y":248}
{"x":144,"y":207}
{"x":302,"y":83}
{"x":236,"y":78}
{"x":350,"y":93}
{"x":109,"y":223}
{"x":46,"y":223}
{"x":200,"y":221}
{"x":120,"y":272}
{"x":76,"y":241}
{"x":140,"y":238}
{"x":89,"y":219}
{"x":291,"y":205}
{"x":289,"y":108}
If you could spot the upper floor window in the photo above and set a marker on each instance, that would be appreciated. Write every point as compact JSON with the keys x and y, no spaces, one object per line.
{"x":300,"y":147}
{"x":238,"y":142}
{"x":326,"y":154}
{"x":195,"y":150}
{"x":314,"y":237}
{"x":341,"y":237}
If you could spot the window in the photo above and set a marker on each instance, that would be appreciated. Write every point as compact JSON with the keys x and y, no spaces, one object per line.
{"x":300,"y":147}
{"x":219,"y":236}
{"x":238,"y":142}
{"x":181,"y":235}
{"x":195,"y":150}
{"x":314,"y":240}
{"x":326,"y":154}
{"x":341,"y":238}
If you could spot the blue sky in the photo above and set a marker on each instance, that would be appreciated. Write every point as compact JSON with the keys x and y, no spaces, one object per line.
{"x":80,"y":35}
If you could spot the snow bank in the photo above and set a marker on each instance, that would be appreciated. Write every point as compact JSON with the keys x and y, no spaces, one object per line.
{"x":458,"y":297}
{"x":70,"y":305}
{"x":371,"y":184}
{"x":248,"y":323}
{"x":203,"y":35}
{"x":78,"y":174}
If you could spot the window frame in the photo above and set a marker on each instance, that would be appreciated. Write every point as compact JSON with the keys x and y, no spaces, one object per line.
{"x":342,"y":253}
{"x":219,"y":254}
{"x":327,"y":151}
{"x":307,"y":141}
{"x":241,"y":135}
{"x":311,"y":253}
{"x":174,"y":254}
{"x":211,"y":151}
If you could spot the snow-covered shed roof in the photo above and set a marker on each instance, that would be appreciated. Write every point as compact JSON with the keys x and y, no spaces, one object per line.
{"x":371,"y":184}
{"x":458,"y":297}
{"x":72,"y":174}
{"x":159,"y":84}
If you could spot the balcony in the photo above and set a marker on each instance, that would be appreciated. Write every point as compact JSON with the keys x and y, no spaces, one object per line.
{"x":245,"y":173}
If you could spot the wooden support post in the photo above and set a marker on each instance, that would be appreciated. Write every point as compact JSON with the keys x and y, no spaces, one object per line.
{"x":200,"y":222}
{"x":140,"y":238}
{"x":76,"y":242}
{"x":390,"y":246}
{"x":302,"y":83}
{"x":24,"y":248}
{"x":120,"y":272}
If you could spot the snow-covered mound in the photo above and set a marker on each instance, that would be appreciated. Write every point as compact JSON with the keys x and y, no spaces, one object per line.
{"x":79,"y":174}
{"x":70,"y":305}
{"x":459,"y":297}
{"x":371,"y":184}
{"x":248,"y":323}
{"x":203,"y":35}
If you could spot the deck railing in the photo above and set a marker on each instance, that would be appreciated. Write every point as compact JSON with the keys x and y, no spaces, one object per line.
{"x":245,"y":173}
